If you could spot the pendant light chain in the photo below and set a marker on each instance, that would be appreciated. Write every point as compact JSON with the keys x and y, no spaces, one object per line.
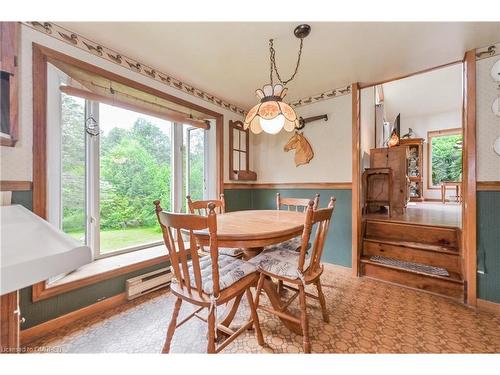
{"x":272,"y":58}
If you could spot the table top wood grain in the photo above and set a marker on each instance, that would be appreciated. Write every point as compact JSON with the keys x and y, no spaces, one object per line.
{"x":255,"y":228}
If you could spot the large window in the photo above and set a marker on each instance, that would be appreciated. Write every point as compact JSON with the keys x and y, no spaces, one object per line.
{"x":444,"y":156}
{"x":107,"y":166}
{"x":194,"y":163}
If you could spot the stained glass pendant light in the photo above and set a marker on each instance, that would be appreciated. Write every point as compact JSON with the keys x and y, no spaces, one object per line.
{"x":272,"y":114}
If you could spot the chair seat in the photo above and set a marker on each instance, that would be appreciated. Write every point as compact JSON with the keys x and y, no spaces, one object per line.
{"x":280,"y":262}
{"x":232,"y":252}
{"x":291,"y":244}
{"x":231,"y":270}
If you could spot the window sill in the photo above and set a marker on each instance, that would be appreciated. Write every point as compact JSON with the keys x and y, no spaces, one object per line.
{"x":100,"y":270}
{"x":7,"y":140}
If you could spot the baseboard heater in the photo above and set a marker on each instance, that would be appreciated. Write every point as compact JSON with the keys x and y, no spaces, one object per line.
{"x":147,"y":283}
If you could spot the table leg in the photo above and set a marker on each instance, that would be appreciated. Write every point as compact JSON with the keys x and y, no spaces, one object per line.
{"x":272,"y":293}
{"x":443,"y":193}
{"x":250,"y":252}
{"x":230,"y":311}
{"x":232,"y":306}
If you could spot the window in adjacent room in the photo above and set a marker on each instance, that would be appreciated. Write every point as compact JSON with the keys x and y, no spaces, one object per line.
{"x":444,"y":156}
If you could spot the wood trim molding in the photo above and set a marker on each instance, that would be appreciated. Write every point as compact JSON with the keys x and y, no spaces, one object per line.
{"x":38,"y":331}
{"x":356,"y":177}
{"x":219,"y":146}
{"x":51,"y":54}
{"x":469,"y":169}
{"x":365,"y":85}
{"x":488,"y":185}
{"x":41,"y":56}
{"x":40,"y":291}
{"x":291,"y":185}
{"x":73,"y":39}
{"x":469,"y":214}
{"x":6,"y":140}
{"x":7,"y":185}
{"x":330,"y":94}
{"x":489,"y":306}
{"x":39,"y":132}
{"x":171,"y":116}
{"x":9,"y":333}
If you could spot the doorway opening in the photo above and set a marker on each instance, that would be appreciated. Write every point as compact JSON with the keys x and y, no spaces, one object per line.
{"x":411,"y":169}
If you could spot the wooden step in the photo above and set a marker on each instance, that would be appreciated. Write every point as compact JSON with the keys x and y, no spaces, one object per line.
{"x":451,"y":286}
{"x":411,"y":232}
{"x":433,"y":255}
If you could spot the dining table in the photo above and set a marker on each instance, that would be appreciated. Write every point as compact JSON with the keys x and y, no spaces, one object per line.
{"x":252,"y":230}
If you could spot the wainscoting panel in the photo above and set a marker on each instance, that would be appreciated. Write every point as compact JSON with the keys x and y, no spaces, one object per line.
{"x":42,"y":311}
{"x":238,"y":199}
{"x":488,"y":245}
{"x":24,"y":198}
{"x":338,"y":246}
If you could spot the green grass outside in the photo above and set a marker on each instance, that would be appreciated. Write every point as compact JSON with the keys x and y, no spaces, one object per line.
{"x":116,"y":239}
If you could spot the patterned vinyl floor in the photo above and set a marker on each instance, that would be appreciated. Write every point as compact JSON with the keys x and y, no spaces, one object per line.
{"x":366,"y":316}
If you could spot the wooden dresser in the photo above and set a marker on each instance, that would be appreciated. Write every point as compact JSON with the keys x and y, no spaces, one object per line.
{"x":395,"y":158}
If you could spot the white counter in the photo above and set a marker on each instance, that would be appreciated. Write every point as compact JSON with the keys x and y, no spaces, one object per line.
{"x":32,"y":250}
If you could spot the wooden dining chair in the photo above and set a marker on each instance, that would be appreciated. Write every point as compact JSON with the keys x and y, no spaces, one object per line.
{"x":200,"y":208}
{"x":293,"y":204}
{"x":206,"y":282}
{"x":298,"y":268}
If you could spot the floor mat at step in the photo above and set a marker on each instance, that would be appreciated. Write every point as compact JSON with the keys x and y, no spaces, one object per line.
{"x":418,"y":267}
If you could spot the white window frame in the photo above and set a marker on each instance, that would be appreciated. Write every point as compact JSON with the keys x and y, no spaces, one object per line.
{"x":92,"y":160}
{"x":430,"y":136}
{"x":205,"y":161}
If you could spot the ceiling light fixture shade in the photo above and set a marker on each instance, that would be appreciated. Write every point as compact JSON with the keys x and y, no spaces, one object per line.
{"x":271,"y":114}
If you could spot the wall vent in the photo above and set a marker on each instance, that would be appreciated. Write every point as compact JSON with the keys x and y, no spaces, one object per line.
{"x":149,"y":282}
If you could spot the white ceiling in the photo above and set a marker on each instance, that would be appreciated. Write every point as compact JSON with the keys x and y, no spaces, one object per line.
{"x":423,"y":94}
{"x":231,"y":60}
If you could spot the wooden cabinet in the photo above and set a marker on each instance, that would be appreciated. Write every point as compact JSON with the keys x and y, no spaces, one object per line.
{"x":394,"y":158}
{"x":415,"y":167}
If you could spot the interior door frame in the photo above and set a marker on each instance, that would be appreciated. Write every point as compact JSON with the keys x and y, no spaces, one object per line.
{"x":468,"y":240}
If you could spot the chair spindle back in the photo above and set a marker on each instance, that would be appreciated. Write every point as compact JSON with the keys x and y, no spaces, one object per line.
{"x":322,"y":218}
{"x":200,"y":207}
{"x":173,"y":226}
{"x":295,"y":204}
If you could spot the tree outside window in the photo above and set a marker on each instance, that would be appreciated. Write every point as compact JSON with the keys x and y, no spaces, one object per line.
{"x":445,"y":156}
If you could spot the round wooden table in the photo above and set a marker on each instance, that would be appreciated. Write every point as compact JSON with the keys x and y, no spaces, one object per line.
{"x":251,"y":231}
